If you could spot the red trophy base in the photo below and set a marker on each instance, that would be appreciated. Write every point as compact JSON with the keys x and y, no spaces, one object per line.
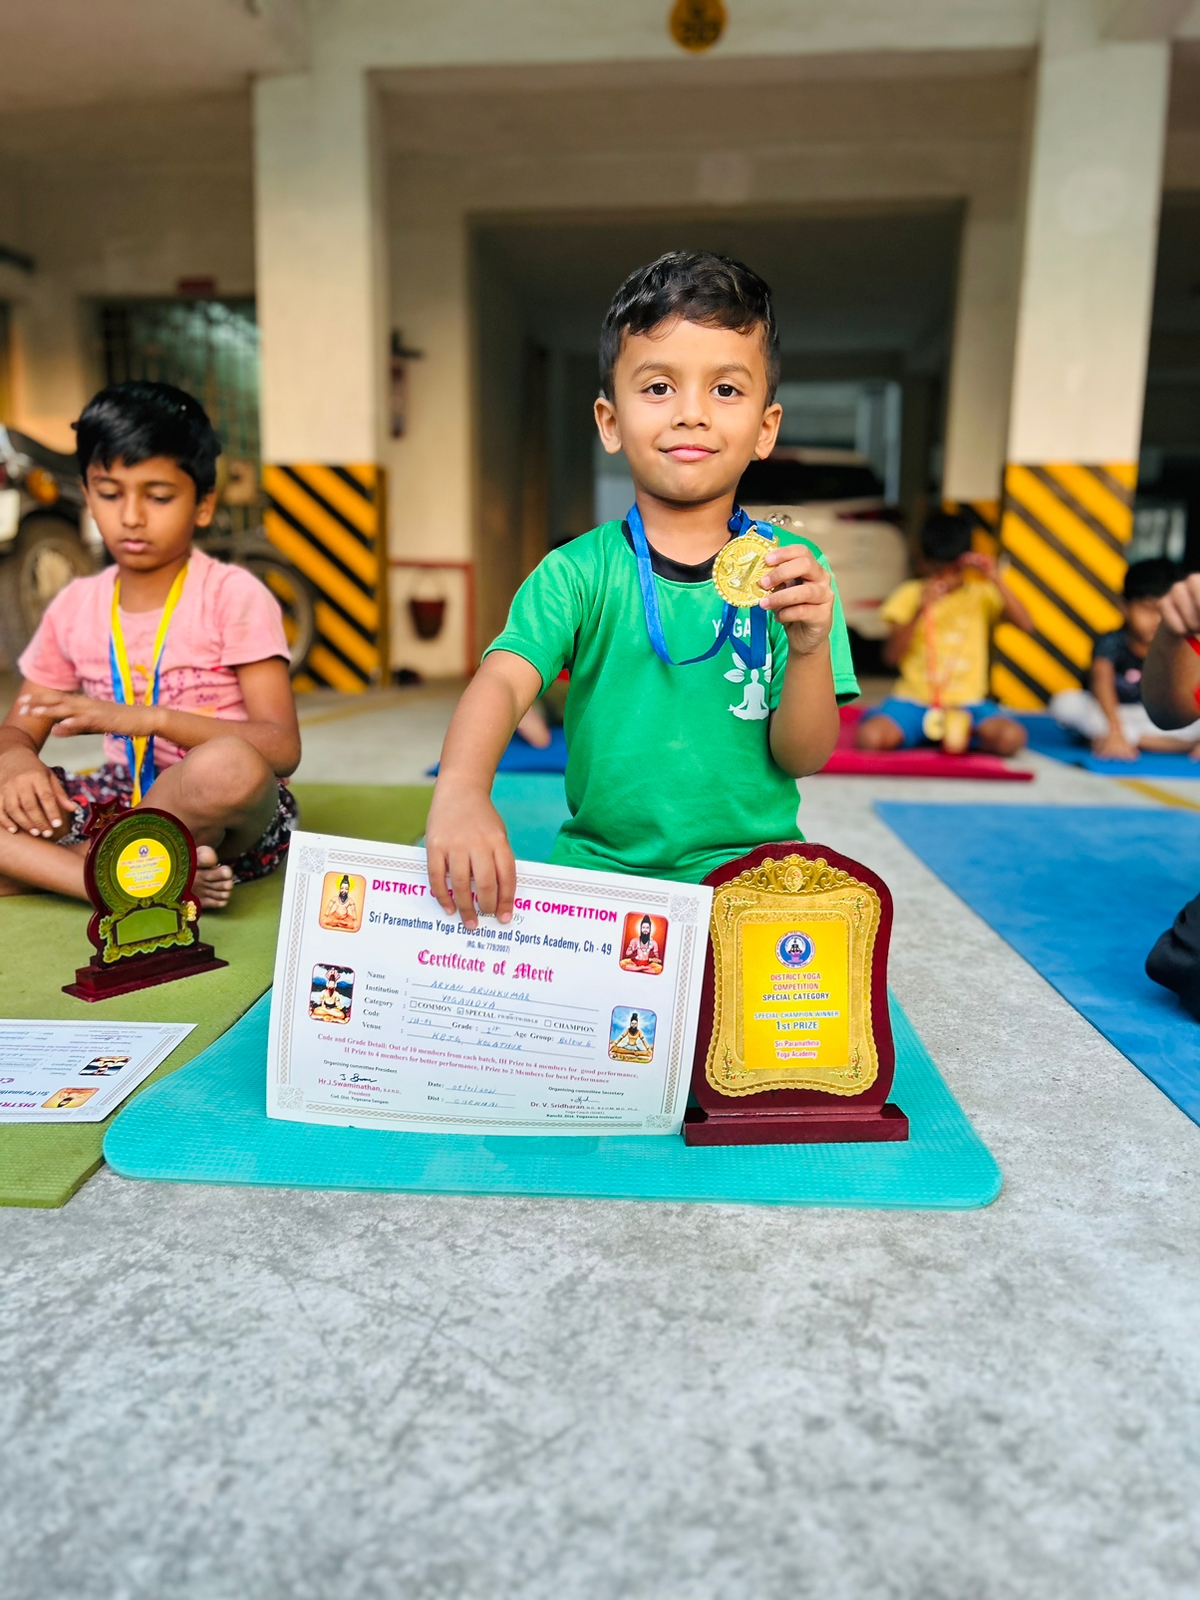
{"x":799,"y":1115}
{"x":99,"y":981}
{"x":760,"y":1123}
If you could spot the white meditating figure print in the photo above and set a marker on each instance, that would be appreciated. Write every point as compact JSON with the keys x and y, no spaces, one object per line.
{"x":754,"y":700}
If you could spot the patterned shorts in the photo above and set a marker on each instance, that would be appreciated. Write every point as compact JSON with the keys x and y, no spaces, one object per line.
{"x":111,"y":782}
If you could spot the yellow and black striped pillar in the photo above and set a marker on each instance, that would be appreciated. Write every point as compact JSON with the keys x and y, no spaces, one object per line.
{"x":1064,"y":533}
{"x":329,"y":522}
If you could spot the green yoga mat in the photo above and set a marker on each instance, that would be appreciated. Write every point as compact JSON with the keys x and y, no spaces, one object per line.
{"x":43,"y":1166}
{"x":208,"y":1124}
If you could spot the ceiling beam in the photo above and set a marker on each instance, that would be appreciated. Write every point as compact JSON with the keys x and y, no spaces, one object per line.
{"x":1141,"y":19}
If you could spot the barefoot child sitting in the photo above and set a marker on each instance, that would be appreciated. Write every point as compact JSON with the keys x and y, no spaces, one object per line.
{"x":687,"y":720}
{"x":941,"y":636}
{"x":1111,"y":716}
{"x":180,"y":660}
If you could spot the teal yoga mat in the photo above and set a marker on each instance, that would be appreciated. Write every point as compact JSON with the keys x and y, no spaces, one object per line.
{"x":534,"y":807}
{"x":207,"y":1123}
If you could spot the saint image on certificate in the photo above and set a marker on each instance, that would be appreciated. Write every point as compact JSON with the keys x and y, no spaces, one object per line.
{"x":103,"y":1066}
{"x":631,"y":1034}
{"x":342,"y":897}
{"x":643,"y":943}
{"x":68,"y":1099}
{"x":331,"y":993}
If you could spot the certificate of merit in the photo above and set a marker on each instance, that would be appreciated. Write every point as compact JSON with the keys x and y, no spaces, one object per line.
{"x":577,"y":1017}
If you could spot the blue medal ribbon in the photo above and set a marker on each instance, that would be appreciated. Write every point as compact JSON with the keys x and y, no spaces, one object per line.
{"x":142,"y":772}
{"x":739,"y":523}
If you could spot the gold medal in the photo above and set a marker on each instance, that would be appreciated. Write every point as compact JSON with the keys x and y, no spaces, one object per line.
{"x":933,"y":724}
{"x":738,"y":567}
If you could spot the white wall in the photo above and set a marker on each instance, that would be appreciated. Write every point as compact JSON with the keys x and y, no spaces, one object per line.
{"x":1091,"y":238}
{"x":485,"y":32}
{"x":318,"y":228}
{"x":981,"y":369}
{"x":120,"y":200}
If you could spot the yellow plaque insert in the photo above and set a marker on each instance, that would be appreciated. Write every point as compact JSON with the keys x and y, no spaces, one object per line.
{"x":143,"y":868}
{"x":793,"y":942}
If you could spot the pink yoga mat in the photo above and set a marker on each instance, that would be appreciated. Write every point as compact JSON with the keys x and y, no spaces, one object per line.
{"x":930,"y":762}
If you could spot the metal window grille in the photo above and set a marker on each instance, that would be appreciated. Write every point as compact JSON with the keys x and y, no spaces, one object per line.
{"x":208,"y":348}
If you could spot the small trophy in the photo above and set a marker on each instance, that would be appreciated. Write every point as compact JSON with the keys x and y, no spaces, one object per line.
{"x":795,"y":1040}
{"x":146,"y":925}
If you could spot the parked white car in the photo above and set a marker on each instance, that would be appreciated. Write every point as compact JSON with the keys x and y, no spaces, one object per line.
{"x":835,"y":499}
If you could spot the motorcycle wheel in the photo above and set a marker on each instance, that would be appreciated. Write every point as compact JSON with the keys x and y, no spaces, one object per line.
{"x":45,"y":556}
{"x":296,"y":600}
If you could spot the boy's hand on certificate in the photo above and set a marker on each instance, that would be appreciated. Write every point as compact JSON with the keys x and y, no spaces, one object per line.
{"x":465,"y":843}
{"x":800,"y":593}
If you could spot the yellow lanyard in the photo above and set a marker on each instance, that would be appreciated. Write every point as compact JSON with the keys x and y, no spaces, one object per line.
{"x":141,"y":748}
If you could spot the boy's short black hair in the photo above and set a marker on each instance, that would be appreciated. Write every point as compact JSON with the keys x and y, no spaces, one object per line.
{"x":1150,"y":580}
{"x":946,"y":536}
{"x":135,"y":421}
{"x":697,"y":286}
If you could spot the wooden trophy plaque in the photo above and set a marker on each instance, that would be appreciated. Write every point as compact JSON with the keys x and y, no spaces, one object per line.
{"x":795,"y":1039}
{"x":146,"y":925}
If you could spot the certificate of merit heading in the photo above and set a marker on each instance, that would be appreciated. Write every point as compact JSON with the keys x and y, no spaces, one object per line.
{"x":577,"y":1017}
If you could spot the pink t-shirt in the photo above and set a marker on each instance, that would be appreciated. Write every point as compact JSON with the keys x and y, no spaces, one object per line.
{"x":225,"y":619}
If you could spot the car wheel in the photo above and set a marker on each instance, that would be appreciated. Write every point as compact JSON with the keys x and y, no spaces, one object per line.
{"x":44,"y":558}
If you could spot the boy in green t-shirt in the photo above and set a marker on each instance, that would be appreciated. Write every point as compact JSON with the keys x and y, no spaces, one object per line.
{"x":672,"y":769}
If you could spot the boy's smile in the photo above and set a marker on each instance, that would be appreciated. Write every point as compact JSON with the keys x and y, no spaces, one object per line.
{"x":690,"y":452}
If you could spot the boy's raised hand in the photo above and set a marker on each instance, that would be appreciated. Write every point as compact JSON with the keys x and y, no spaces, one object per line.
{"x":800,"y":593}
{"x":1181,"y":606}
{"x":465,"y":842}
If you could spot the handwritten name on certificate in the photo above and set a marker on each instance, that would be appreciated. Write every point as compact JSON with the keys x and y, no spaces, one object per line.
{"x":577,"y":1017}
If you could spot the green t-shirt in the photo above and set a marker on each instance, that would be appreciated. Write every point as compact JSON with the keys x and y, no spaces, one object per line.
{"x":669,"y":769}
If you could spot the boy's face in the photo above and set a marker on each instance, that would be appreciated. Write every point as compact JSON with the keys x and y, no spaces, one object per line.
{"x":689,"y":409}
{"x":1142,"y":618}
{"x":146,"y":513}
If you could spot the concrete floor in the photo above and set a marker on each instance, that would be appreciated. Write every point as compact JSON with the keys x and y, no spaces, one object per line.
{"x":223,"y":1394}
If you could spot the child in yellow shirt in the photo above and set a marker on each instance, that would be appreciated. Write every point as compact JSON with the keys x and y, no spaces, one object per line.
{"x":941,"y":638}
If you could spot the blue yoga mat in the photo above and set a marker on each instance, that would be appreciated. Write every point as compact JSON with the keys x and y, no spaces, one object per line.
{"x":522,"y":757}
{"x":207,"y":1123}
{"x":1082,"y":892}
{"x":1048,"y":739}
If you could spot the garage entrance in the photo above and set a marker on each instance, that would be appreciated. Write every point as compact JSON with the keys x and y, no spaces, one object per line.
{"x":865,"y":306}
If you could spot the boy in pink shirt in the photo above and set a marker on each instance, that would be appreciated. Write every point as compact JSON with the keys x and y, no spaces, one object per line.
{"x":179,"y":660}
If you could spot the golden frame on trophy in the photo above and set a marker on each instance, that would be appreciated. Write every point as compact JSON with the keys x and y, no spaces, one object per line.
{"x":835,"y":901}
{"x":795,"y":1039}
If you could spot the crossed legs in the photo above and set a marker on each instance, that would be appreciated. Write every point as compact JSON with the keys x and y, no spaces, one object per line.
{"x":223,"y":792}
{"x":999,"y":736}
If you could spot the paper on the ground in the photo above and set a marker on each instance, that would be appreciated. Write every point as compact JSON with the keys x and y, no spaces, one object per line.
{"x":578,"y":1017}
{"x":78,"y":1071}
